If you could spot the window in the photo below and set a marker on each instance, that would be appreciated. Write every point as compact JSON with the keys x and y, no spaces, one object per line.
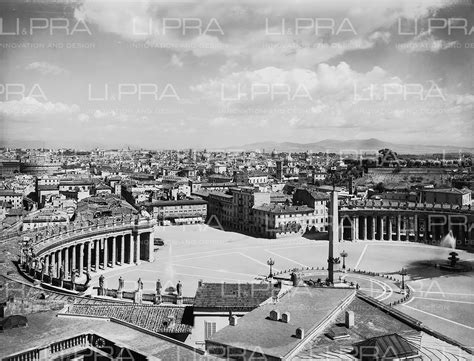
{"x":209,"y":329}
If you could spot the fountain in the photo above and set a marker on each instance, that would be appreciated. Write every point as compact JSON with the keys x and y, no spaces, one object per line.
{"x":448,"y":241}
{"x":453,"y":260}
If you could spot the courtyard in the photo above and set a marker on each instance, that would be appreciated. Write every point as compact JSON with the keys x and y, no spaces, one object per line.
{"x":442,"y":300}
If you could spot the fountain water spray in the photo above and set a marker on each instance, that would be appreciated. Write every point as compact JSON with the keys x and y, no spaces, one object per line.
{"x":448,"y":241}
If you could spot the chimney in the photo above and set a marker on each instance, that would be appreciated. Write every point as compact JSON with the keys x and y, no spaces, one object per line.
{"x":274,"y":315}
{"x":349,"y":322}
{"x":200,"y":283}
{"x":233,"y":320}
{"x":300,"y":333}
{"x":285,"y":317}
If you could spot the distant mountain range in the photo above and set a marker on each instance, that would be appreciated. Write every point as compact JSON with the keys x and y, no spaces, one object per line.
{"x":368,"y":146}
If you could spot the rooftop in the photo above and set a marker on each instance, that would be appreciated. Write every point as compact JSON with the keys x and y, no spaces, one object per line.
{"x":232,"y":296}
{"x":159,"y":203}
{"x":45,"y":328}
{"x":284,"y":209}
{"x":308,"y":307}
{"x":449,"y":190}
{"x":153,"y":318}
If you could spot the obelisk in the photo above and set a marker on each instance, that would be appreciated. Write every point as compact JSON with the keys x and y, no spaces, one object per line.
{"x":333,"y":232}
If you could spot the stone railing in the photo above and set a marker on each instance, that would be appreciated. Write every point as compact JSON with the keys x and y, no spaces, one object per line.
{"x":49,"y":239}
{"x":403,"y":206}
{"x":54,"y":350}
{"x":139,"y":296}
{"x":85,"y":343}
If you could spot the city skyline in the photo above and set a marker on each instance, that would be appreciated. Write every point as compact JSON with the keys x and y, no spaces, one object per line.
{"x":214,"y":75}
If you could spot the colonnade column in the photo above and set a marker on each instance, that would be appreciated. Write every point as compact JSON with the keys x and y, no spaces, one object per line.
{"x":122,"y":250}
{"x":137,"y":255}
{"x":73,"y":259}
{"x":114,"y":252}
{"x":81,"y":259}
{"x":131,"y":257}
{"x":415,"y":227}
{"x":53,"y":262}
{"x":356,"y":224}
{"x":151,"y":248}
{"x":89,"y":254}
{"x":106,"y":252}
{"x":46,"y":263}
{"x":389,"y":230}
{"x":406,"y":223}
{"x":381,"y":228}
{"x":365,"y":228}
{"x":399,"y":221}
{"x":66,"y":261}
{"x":97,"y":254}
{"x":60,"y":262}
{"x":353,"y":227}
{"x":374,"y":225}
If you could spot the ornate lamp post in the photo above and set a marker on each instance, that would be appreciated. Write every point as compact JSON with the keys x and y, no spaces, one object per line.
{"x":270,"y":262}
{"x":403,"y":273}
{"x":344,"y":254}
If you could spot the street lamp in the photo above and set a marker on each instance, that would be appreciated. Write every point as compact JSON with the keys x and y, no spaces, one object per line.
{"x":403,"y":273}
{"x":344,"y":254}
{"x":270,"y":262}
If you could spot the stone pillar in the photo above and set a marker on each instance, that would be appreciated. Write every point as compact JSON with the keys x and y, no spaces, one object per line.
{"x":73,"y":258}
{"x":382,"y":220}
{"x":138,"y":245}
{"x":407,"y":228}
{"x":66,"y":261}
{"x":341,"y":229}
{"x":425,"y":229}
{"x":114,"y":252}
{"x":122,"y":250}
{"x":365,"y":228}
{"x":415,"y":227}
{"x":53,"y":262}
{"x":89,"y":256}
{"x":131,"y":257}
{"x":399,"y":221}
{"x":373,"y":227}
{"x":356,"y":224}
{"x":97,"y":254}
{"x":151,"y":247}
{"x":389,"y":228}
{"x":46,"y":262}
{"x":353,"y":228}
{"x":81,"y":259}
{"x":106,"y":253}
{"x":60,"y":261}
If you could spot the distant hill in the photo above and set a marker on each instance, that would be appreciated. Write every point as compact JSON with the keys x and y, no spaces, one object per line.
{"x":371,"y":145}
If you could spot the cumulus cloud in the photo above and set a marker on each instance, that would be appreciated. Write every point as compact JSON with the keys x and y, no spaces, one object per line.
{"x":273,"y":85}
{"x":31,"y":107}
{"x":46,"y":68}
{"x":176,"y":61}
{"x":426,"y":42}
{"x":236,"y":30}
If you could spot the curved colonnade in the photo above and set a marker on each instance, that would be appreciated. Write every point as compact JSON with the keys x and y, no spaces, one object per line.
{"x":81,"y":248}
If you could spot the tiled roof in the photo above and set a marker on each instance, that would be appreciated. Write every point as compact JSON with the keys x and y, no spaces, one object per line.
{"x":449,"y":190}
{"x":153,"y":318}
{"x":9,"y":192}
{"x":231,"y":296}
{"x":281,"y":209}
{"x":391,"y":346}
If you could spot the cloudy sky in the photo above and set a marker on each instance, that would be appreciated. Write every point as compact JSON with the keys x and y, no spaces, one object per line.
{"x":212,"y":73}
